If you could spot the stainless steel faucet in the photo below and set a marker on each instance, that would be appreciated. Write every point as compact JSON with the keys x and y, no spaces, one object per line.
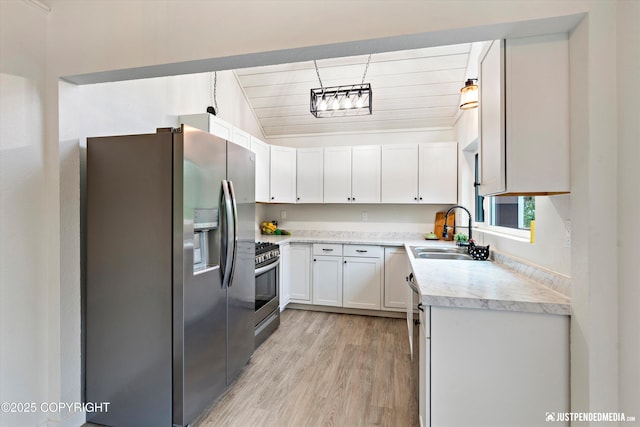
{"x":446,"y":218}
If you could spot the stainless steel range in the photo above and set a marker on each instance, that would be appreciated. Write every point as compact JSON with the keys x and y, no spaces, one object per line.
{"x":267,"y":297}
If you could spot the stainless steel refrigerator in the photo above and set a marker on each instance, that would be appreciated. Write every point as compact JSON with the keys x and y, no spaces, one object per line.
{"x":170,"y":285}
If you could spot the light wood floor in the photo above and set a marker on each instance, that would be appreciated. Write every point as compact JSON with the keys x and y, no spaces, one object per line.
{"x":324,"y":369}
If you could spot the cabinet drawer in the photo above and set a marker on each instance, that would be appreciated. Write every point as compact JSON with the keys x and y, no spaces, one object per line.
{"x":327,"y":249}
{"x":364,"y":251}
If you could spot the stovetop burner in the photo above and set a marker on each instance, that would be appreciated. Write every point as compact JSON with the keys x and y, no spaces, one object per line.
{"x":266,"y":253}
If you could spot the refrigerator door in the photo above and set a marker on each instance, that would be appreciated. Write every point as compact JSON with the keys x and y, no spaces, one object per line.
{"x":128,"y":286}
{"x":200,"y":309}
{"x":241,"y":291}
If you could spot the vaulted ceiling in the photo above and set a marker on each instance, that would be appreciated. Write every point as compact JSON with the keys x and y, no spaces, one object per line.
{"x":411,"y":89}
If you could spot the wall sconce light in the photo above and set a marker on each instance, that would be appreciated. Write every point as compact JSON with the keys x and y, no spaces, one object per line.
{"x":469,"y":95}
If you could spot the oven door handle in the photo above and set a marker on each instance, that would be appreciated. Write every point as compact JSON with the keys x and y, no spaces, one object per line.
{"x":266,"y":268}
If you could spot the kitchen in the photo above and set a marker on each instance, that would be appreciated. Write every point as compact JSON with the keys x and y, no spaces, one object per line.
{"x":352,"y":216}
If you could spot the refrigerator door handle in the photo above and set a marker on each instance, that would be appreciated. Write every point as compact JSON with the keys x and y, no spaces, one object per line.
{"x":234,"y":211}
{"x":226,"y":254}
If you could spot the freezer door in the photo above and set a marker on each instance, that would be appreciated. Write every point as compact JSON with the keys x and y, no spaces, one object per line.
{"x":200,"y":309}
{"x":129,"y":284}
{"x":241,"y":291}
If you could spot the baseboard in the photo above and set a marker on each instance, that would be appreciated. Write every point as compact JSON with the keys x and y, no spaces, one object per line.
{"x":342,"y":310}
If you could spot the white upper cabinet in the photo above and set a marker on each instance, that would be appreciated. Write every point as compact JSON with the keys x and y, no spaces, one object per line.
{"x":420,"y":173}
{"x":365,"y":174}
{"x":262,"y":169}
{"x":208,"y":123}
{"x":337,"y":175}
{"x":240,"y":137}
{"x":400,"y":173}
{"x":491,"y":118}
{"x":352,"y":174}
{"x":283,"y":174}
{"x":309,"y":185}
{"x":438,"y":172}
{"x":524,"y":116}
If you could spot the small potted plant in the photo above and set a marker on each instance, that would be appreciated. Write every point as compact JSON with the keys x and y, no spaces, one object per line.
{"x":461,"y":239}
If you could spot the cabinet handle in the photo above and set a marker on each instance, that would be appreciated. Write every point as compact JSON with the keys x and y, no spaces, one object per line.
{"x":272,"y":197}
{"x":348,"y":198}
{"x":415,"y":198}
{"x":297,"y":198}
{"x":420,"y":198}
{"x":420,"y":306}
{"x":353,"y":199}
{"x":314,"y":260}
{"x":327,"y":250}
{"x":345,"y":261}
{"x":361,"y":250}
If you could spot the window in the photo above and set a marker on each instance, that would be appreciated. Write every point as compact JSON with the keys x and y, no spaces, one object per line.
{"x":504,"y":211}
{"x":513,"y":211}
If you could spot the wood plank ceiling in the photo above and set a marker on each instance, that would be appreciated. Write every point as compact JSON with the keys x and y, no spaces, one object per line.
{"x":411,"y":89}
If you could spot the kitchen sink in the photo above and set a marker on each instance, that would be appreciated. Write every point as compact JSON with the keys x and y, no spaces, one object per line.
{"x":429,"y":252}
{"x":418,"y":249}
{"x":443,"y":255}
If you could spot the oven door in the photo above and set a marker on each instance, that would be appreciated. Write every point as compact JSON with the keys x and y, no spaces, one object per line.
{"x":267,"y":300}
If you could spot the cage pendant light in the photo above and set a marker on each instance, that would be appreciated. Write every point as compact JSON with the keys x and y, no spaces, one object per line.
{"x":340,"y":101}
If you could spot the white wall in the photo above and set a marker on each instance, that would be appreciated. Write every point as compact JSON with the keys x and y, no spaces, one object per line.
{"x":24,"y":282}
{"x":343,"y":217}
{"x":82,"y":38}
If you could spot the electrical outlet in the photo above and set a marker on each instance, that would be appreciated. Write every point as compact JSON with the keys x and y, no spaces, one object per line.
{"x":365,"y":216}
{"x":283,"y":214}
{"x":567,"y":233}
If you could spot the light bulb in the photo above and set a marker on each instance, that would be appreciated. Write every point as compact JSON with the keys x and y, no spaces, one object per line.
{"x":322,"y":104}
{"x":360,"y":101}
{"x":347,"y":102}
{"x":336,"y":104}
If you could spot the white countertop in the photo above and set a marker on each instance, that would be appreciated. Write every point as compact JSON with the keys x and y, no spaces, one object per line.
{"x":483,"y":284}
{"x":451,"y":283}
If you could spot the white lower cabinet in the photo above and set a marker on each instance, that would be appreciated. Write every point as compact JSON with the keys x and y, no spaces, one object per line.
{"x":489,"y":367}
{"x":284,"y":290}
{"x":396,"y":269}
{"x":424,"y":367}
{"x":327,"y":280}
{"x":362,"y":282}
{"x":299,"y":267}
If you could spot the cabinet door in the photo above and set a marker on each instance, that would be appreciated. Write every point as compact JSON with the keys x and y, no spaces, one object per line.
{"x":283,"y":174}
{"x":285,"y":276}
{"x":424,"y":370}
{"x":300,"y":273}
{"x":537,"y":122}
{"x":438,"y":172}
{"x":240,"y":137}
{"x":208,"y":123}
{"x":492,"y":119}
{"x":396,"y":269}
{"x":362,"y":283}
{"x":365,"y":174}
{"x":262,"y":169}
{"x":327,"y":280}
{"x":399,"y":173}
{"x":310,"y":175}
{"x":337,"y":175}
{"x":219,"y":127}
